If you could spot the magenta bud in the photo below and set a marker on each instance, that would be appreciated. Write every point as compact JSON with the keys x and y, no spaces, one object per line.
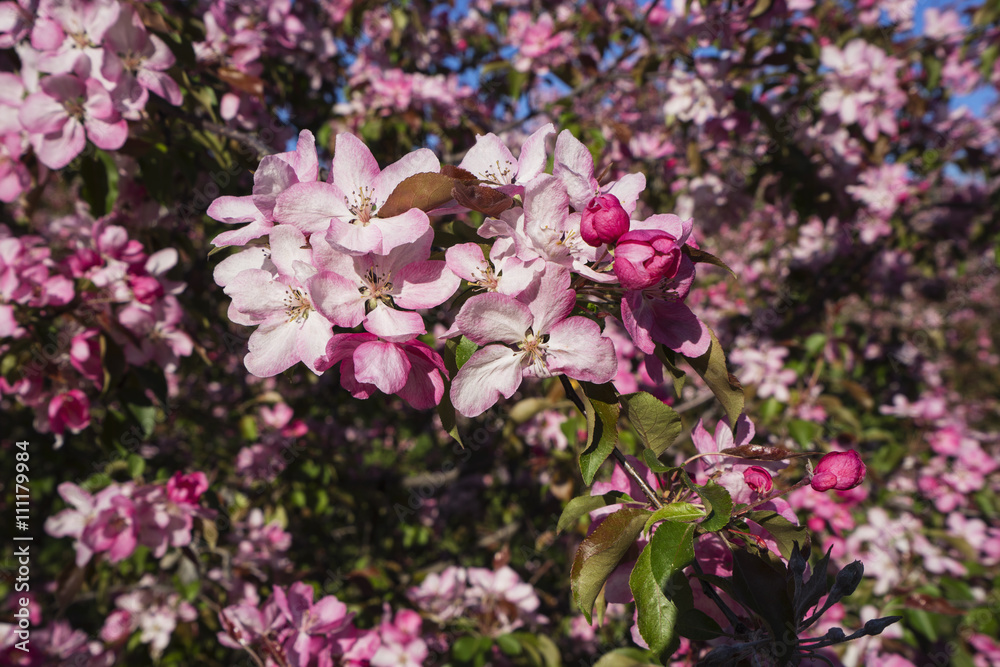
{"x":186,"y":489}
{"x":758,"y":479}
{"x":146,"y":289}
{"x":644,"y":257}
{"x":838,"y":470}
{"x":604,"y":220}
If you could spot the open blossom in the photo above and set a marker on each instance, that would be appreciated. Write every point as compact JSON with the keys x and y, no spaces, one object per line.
{"x":290,"y":328}
{"x":275,"y":174}
{"x":408,"y":368}
{"x":65,"y":112}
{"x":538,"y":339}
{"x":347,"y":207}
{"x":382,"y":291}
{"x":136,"y":61}
{"x":502,"y":273}
{"x":491,"y":161}
{"x":838,"y":470}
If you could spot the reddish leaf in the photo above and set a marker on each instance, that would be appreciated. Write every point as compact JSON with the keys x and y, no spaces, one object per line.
{"x":480,"y":198}
{"x":425,"y":191}
{"x":760,"y":452}
{"x":458,"y":173}
{"x":252,"y":85}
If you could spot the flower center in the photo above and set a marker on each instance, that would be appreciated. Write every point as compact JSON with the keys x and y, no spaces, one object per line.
{"x":361,"y":204}
{"x":502,"y":174}
{"x":535,"y":347}
{"x":297,"y":306}
{"x":376,"y":288}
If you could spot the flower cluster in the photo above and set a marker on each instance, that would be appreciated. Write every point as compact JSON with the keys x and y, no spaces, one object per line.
{"x":87,"y":68}
{"x":122,"y":516}
{"x":291,"y":629}
{"x":345,"y":253}
{"x":104,"y":297}
{"x":497,"y":601}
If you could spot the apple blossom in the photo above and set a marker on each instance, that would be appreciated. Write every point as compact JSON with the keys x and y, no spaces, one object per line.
{"x":538,"y":339}
{"x":346,"y":208}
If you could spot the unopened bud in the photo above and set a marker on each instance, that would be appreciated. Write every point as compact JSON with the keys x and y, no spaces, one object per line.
{"x":604,"y":220}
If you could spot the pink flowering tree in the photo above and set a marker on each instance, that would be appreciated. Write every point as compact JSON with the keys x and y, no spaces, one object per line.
{"x":408,"y":333}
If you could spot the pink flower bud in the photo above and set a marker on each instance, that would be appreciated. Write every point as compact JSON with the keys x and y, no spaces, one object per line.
{"x":186,"y":489}
{"x":604,"y":220}
{"x":70,"y":410}
{"x":758,"y":479}
{"x":85,"y":355}
{"x":838,"y":470}
{"x":146,"y":289}
{"x":644,"y":257}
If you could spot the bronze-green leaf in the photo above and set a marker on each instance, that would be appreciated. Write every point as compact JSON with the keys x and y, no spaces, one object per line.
{"x":425,"y":191}
{"x":600,"y":553}
{"x":712,"y":367}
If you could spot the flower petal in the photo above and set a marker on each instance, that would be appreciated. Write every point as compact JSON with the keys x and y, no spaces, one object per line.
{"x":493,"y":371}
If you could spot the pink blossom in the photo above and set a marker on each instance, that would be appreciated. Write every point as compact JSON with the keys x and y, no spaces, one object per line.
{"x":114,"y":528}
{"x":70,"y":33}
{"x":275,"y":174}
{"x":69,"y":410}
{"x":312,"y":625}
{"x":644,"y":257}
{"x":85,"y":355}
{"x":346,"y":208}
{"x":381,"y":291}
{"x":658,"y":314}
{"x":491,"y":161}
{"x":538,"y":339}
{"x":758,"y":479}
{"x":502,"y":273}
{"x":64,"y":113}
{"x":186,"y":489}
{"x":409,"y":368}
{"x":838,"y":470}
{"x":290,"y":328}
{"x":136,"y":61}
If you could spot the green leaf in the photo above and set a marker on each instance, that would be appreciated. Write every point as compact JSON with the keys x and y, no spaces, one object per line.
{"x":718,"y":503}
{"x":675,"y":512}
{"x":657,"y":425}
{"x":804,"y":432}
{"x":581,"y":505}
{"x":699,"y":256}
{"x":446,"y":411}
{"x":425,"y":191}
{"x":509,"y":645}
{"x":600,"y":404}
{"x":145,"y":415}
{"x":136,"y":464}
{"x":670,"y":549}
{"x":465,"y":648}
{"x":542,"y":649}
{"x":600,"y":553}
{"x":465,"y":349}
{"x":654,"y":463}
{"x":625,"y":657}
{"x":669,"y":360}
{"x":711,"y":366}
{"x":784,"y":532}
